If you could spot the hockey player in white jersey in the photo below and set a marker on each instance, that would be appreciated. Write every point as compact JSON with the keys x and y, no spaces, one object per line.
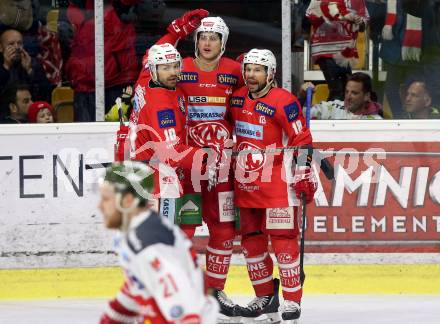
{"x":163,"y":283}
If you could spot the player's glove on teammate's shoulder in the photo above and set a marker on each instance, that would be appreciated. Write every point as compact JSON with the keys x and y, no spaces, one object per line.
{"x":186,"y":24}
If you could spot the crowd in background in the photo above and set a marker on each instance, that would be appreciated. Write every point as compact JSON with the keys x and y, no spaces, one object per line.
{"x":48,"y":44}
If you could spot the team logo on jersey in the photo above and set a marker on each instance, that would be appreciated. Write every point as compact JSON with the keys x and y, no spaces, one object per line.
{"x":166,"y":118}
{"x":236,"y":102}
{"x":249,"y":130}
{"x":176,"y":311}
{"x":188,"y":77}
{"x":251,"y":159}
{"x":206,"y":99}
{"x":209,"y":133}
{"x":206,"y":112}
{"x":228,"y":79}
{"x":264,"y":109}
{"x":292,"y":111}
{"x":181,"y":104}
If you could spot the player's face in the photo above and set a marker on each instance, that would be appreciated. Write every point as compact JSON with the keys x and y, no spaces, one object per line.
{"x":167,"y":74}
{"x":416,"y":98}
{"x":107,"y":205}
{"x":255,"y":76}
{"x":355,"y":97}
{"x":209,"y":45}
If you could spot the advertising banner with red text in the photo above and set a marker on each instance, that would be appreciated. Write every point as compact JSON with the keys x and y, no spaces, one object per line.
{"x":385,"y":198}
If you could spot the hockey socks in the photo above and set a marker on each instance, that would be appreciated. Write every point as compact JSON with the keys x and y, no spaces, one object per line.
{"x":189,"y":230}
{"x":259,"y":263}
{"x":218,"y":258}
{"x":287,"y":253}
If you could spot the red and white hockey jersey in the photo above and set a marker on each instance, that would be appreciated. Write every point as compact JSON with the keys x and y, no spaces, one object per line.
{"x":269,"y":123}
{"x":158,"y":134}
{"x":163,"y":283}
{"x":207,"y":95}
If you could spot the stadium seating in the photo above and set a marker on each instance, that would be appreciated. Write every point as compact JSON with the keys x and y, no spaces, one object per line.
{"x":62,"y":102}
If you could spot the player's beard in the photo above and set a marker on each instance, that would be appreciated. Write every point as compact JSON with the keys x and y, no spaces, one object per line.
{"x":168,"y":83}
{"x":259,"y":88}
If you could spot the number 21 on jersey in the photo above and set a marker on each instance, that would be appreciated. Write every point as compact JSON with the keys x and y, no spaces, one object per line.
{"x":169,"y":285}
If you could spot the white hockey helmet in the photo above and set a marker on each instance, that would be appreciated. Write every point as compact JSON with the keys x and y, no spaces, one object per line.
{"x":162,"y":54}
{"x":262,"y":57}
{"x":215,"y":25}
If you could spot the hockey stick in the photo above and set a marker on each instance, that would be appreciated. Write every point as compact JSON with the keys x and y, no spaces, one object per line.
{"x":302,"y":274}
{"x":325,"y":166}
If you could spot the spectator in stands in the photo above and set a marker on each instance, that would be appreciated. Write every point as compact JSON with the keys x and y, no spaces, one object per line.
{"x":76,"y":30}
{"x":418,"y":102}
{"x":333,"y":45}
{"x":40,"y":112}
{"x":429,"y":12}
{"x":15,"y":102}
{"x":400,"y":52}
{"x":359,"y":102}
{"x":126,"y":103}
{"x":16,"y":65}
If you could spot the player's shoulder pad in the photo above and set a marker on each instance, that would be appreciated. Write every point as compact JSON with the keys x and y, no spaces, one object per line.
{"x":187,"y":61}
{"x":238,"y":98}
{"x":231,"y":66}
{"x":241,"y":92}
{"x":283,"y":94}
{"x":230,"y":62}
{"x":150,"y":232}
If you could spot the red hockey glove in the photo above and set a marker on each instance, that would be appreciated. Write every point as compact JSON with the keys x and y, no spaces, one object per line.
{"x":121,"y":137}
{"x":186,"y":24}
{"x":304,"y":181}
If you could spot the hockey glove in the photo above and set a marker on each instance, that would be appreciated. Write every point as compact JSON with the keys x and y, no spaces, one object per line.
{"x":304,"y":181}
{"x":186,"y":24}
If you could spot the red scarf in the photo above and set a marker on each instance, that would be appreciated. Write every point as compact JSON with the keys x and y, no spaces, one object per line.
{"x":334,"y":36}
{"x":412,"y":39}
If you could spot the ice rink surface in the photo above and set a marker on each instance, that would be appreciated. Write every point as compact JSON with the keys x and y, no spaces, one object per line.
{"x":317,"y":309}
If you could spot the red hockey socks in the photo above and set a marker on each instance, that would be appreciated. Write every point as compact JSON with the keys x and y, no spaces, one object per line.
{"x":218,"y":258}
{"x":259,"y":263}
{"x":189,"y":230}
{"x":287,"y":253}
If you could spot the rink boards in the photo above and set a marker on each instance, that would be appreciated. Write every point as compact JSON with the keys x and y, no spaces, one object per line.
{"x":385,"y":199}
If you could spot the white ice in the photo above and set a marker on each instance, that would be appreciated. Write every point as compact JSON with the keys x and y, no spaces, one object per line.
{"x":317,"y":309}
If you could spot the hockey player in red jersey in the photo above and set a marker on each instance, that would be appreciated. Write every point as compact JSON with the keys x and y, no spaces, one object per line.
{"x":207,"y":82}
{"x":157,"y":126}
{"x":267,"y":119}
{"x":163,"y":282}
